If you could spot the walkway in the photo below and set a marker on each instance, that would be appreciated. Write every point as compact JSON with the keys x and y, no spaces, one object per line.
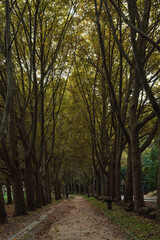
{"x":78,"y":219}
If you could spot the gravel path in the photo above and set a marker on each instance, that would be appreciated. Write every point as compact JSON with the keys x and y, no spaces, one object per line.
{"x":77,"y":219}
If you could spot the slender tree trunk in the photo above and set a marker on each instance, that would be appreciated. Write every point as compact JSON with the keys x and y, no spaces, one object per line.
{"x":3,"y":215}
{"x":68,"y":188}
{"x":109,"y":181}
{"x":103,"y":138}
{"x":85,"y":188}
{"x":43,"y":196}
{"x":57,"y":188}
{"x":112,"y":173}
{"x":103,"y":185}
{"x":30,"y":201}
{"x":47,"y":185}
{"x":98,"y":184}
{"x":41,"y":148}
{"x":71,"y":186}
{"x":118,"y":166}
{"x":9,"y":194}
{"x":38,"y":185}
{"x":135,"y":151}
{"x":92,"y":188}
{"x":128,"y":196}
{"x":136,"y":170}
{"x":158,"y":193}
{"x":118,"y":178}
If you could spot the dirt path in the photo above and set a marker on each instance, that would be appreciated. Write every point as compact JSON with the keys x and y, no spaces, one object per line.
{"x":77,"y":219}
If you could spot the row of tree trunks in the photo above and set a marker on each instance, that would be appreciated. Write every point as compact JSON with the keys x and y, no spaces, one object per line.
{"x":137,"y":74}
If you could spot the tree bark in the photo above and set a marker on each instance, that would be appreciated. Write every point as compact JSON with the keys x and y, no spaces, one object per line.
{"x":119,"y":149}
{"x":38,"y":185}
{"x":158,"y":192}
{"x":103,"y":185}
{"x":47,"y":185}
{"x":9,"y":195}
{"x":30,"y":201}
{"x":135,"y":151}
{"x":57,"y":189}
{"x":19,"y":202}
{"x":112,"y":172}
{"x":9,"y":72}
{"x":128,"y":195}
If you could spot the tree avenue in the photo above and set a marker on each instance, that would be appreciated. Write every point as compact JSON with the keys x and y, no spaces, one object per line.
{"x":79,"y":100}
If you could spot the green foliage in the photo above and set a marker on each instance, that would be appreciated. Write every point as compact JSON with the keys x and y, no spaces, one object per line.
{"x":123,"y":172}
{"x":150,"y":167}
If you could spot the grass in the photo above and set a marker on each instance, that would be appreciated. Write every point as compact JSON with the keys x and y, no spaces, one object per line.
{"x":137,"y":227}
{"x":5,"y":197}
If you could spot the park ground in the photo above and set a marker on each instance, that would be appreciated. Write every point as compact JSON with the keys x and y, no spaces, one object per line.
{"x":78,"y":218}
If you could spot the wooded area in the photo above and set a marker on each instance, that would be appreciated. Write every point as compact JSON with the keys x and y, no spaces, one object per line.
{"x":79,"y":100}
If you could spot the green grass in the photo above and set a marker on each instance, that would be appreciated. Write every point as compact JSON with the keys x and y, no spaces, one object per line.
{"x":5,"y":197}
{"x":139,"y":227}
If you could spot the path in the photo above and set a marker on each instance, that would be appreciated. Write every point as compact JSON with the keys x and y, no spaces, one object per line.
{"x":33,"y":224}
{"x":77,"y":219}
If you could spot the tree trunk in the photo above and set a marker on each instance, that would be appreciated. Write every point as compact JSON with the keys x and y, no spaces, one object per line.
{"x":43,"y":196}
{"x":57,"y":189}
{"x":128,"y":196}
{"x":3,"y":215}
{"x":38,"y":185}
{"x":18,"y":194}
{"x":30,"y":201}
{"x":98,"y":184}
{"x":119,"y":149}
{"x":47,"y":185}
{"x":10,"y":85}
{"x":20,"y":207}
{"x":85,"y":191}
{"x":9,"y":194}
{"x":118,"y":177}
{"x":103,"y":185}
{"x":71,"y":186}
{"x":136,"y":170}
{"x":109,"y":181}
{"x":112,"y":173}
{"x":93,"y":187}
{"x":158,"y":193}
{"x":68,"y":188}
{"x":135,"y":151}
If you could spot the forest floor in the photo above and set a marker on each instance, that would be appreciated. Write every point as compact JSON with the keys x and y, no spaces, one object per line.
{"x":71,"y":219}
